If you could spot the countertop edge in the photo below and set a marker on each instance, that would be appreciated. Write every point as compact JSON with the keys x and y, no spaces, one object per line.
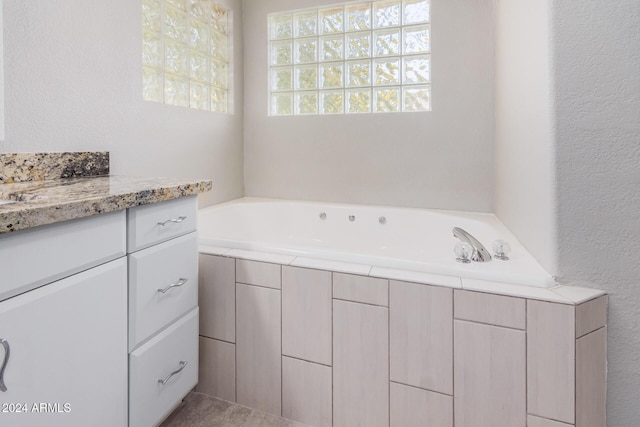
{"x":24,"y":215}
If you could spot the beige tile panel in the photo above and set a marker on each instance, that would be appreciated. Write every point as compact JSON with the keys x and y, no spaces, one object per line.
{"x":421,"y":336}
{"x":490,"y":376}
{"x":492,"y":309}
{"x":306,"y":392}
{"x":258,"y":273}
{"x":306,"y":314}
{"x":360,"y":365}
{"x":533,"y":421}
{"x":258,"y":348}
{"x":414,"y":407}
{"x":551,"y":360}
{"x":217,"y":376}
{"x":217,"y":297}
{"x":591,"y":379}
{"x":363,"y":289}
{"x":591,"y":315}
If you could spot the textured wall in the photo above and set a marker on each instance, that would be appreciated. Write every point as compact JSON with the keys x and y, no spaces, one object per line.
{"x":74,"y":82}
{"x":524,"y":146}
{"x":442,"y":159}
{"x":597,"y":73}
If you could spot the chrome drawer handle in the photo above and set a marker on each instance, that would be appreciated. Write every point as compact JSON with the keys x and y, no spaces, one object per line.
{"x":183,"y":365}
{"x":174,"y":221}
{"x":7,"y":351}
{"x":181,"y":282}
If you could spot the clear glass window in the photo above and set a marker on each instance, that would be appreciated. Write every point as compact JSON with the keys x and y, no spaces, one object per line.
{"x":368,"y":57}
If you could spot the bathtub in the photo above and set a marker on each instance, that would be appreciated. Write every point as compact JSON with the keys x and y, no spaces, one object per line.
{"x":415,"y":240}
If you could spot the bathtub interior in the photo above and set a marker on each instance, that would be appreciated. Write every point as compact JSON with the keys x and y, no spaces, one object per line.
{"x":408,"y":239}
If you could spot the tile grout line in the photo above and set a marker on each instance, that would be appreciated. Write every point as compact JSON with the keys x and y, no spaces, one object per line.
{"x":389,"y":348}
{"x":453,"y":355}
{"x":526,"y":360}
{"x":281,"y":352}
{"x":235,"y":326}
{"x":332,"y":356}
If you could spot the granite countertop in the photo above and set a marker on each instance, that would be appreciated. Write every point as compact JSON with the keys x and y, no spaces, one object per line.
{"x":47,"y":201}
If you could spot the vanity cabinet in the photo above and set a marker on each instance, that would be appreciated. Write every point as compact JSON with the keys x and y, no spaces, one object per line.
{"x":99,"y":318}
{"x":163,"y":307}
{"x":66,"y":338}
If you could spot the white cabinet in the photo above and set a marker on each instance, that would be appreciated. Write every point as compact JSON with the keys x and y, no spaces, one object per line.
{"x":72,"y":306}
{"x":68,"y":351}
{"x":163,"y":308}
{"x":41,"y":255}
{"x":163,"y":286}
{"x":163,"y":370}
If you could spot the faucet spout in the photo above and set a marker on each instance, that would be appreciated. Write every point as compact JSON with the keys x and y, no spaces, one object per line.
{"x":480,"y":253}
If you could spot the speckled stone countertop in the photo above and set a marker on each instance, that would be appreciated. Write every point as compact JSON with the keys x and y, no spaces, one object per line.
{"x":41,"y":202}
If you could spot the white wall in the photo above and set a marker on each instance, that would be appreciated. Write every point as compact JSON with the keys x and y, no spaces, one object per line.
{"x":1,"y":76}
{"x":525,"y":145}
{"x":73,"y":79}
{"x":597,"y":73}
{"x":442,"y":159}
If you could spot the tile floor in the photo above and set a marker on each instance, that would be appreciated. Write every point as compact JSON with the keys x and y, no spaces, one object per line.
{"x":201,"y":410}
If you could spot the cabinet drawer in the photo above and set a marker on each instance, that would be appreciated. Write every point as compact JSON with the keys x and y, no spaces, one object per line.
{"x":149,"y":400}
{"x":159,"y":222}
{"x":154,"y":270}
{"x":41,"y":255}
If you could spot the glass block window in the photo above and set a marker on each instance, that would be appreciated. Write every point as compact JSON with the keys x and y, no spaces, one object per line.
{"x":185,"y":58}
{"x":372,"y":57}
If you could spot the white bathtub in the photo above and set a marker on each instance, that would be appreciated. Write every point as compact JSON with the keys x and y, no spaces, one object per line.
{"x":410,"y":239}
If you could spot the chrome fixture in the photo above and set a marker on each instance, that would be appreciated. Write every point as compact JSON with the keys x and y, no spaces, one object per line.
{"x":323,"y":216}
{"x":480,"y":253}
{"x":181,"y":282}
{"x":463,"y":252}
{"x":501,"y":250}
{"x":173,"y":221}
{"x":7,"y":351}
{"x":183,"y":364}
{"x":352,"y":218}
{"x":382,"y":220}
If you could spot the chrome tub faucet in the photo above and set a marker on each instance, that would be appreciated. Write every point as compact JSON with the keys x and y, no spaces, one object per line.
{"x":480,"y":253}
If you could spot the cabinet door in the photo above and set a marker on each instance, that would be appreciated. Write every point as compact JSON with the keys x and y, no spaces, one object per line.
{"x":67,"y":364}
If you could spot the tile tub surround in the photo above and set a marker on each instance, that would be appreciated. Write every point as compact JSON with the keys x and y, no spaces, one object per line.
{"x":426,"y":354}
{"x":24,"y":167}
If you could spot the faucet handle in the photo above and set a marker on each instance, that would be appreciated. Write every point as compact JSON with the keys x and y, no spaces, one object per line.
{"x":464,"y":252}
{"x":501,"y":249}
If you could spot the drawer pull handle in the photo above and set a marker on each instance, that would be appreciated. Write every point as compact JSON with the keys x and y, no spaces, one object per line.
{"x":183,"y":365}
{"x":174,"y":221}
{"x":5,"y":344}
{"x":181,"y":282}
